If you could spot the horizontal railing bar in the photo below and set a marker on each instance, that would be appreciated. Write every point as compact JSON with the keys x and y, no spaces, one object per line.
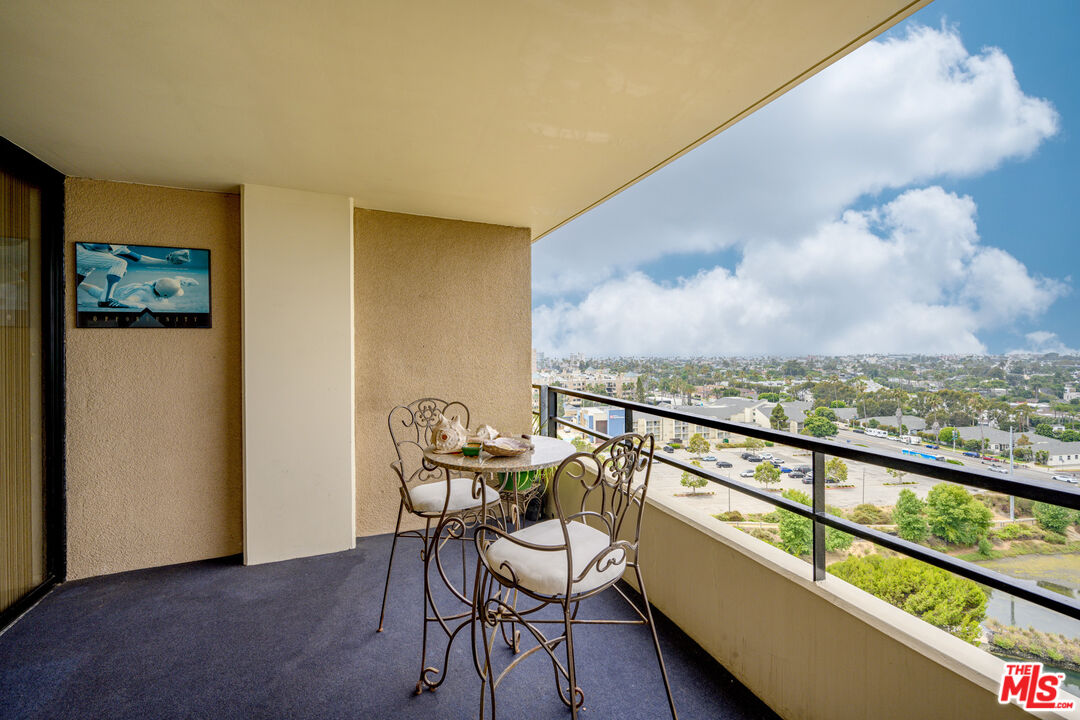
{"x":1041,"y":491}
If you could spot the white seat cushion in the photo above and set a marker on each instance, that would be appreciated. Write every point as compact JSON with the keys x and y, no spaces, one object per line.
{"x":544,"y":571}
{"x":429,"y":497}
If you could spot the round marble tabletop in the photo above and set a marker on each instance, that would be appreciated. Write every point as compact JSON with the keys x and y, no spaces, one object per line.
{"x":549,"y":452}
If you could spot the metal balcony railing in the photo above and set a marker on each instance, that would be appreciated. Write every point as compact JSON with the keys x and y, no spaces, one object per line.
{"x":1040,"y":491}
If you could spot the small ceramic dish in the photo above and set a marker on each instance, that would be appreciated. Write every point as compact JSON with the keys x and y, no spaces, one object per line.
{"x":471,"y":449}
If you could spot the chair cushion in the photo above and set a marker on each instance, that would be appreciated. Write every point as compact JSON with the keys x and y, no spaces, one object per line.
{"x":544,"y":571}
{"x":429,"y":497}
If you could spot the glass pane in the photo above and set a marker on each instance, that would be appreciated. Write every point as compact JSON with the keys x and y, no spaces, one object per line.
{"x":22,"y":550}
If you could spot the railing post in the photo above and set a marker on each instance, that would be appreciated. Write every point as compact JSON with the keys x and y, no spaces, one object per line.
{"x":550,"y":412}
{"x":819,"y":509}
{"x":628,"y":421}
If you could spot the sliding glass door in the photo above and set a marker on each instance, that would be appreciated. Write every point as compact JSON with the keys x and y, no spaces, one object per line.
{"x":31,"y":378}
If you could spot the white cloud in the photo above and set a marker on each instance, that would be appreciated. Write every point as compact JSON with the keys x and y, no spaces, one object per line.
{"x":1043,"y":341}
{"x":910,"y":276}
{"x":897,"y":112}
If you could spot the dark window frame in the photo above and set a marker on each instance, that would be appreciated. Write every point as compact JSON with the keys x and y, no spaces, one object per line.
{"x":17,"y":162}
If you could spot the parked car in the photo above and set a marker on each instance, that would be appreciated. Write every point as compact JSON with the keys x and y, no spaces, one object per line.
{"x":668,"y":448}
{"x":807,"y":480}
{"x":785,"y":469}
{"x":1067,"y":478}
{"x":766,"y":456}
{"x":797,"y":474}
{"x":746,"y":473}
{"x":998,"y":469}
{"x":971,"y":454}
{"x":754,"y":459}
{"x":829,"y":480}
{"x":776,"y":463}
{"x":709,"y":458}
{"x":931,"y":447}
{"x":804,"y":469}
{"x":747,"y":455}
{"x":723,"y":464}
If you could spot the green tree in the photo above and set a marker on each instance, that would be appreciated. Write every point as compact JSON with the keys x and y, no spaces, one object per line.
{"x":796,"y":531}
{"x":1045,"y":429}
{"x":639,"y":389}
{"x":827,"y":413}
{"x":753,"y":444}
{"x":910,"y":517}
{"x":836,"y":468}
{"x":972,"y":445}
{"x":873,"y":423}
{"x":945,"y":437}
{"x":955,"y":516}
{"x":1042,"y":456}
{"x":769,"y":396}
{"x":952,"y":603}
{"x":819,"y":427}
{"x":897,"y":475}
{"x":698,"y":444}
{"x":693,"y":481}
{"x":838,"y":404}
{"x":779,"y":419}
{"x":766,"y":474}
{"x":1052,"y":517}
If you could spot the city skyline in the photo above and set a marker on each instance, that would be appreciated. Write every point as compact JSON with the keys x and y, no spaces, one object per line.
{"x":912,"y":198}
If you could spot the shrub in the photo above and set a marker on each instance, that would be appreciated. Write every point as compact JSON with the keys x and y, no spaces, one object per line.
{"x":1052,"y":517}
{"x":1055,"y":538}
{"x":730,"y":516}
{"x":1055,"y":655}
{"x":985,"y":548}
{"x":867,"y":514}
{"x":954,"y":604}
{"x":1003,"y":642}
{"x":771,"y":517}
{"x":1017,"y":531}
{"x":951,"y":461}
{"x":763,"y":535}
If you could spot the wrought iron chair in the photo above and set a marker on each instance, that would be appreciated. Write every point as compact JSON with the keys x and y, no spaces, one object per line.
{"x":563,"y":561}
{"x":432,"y":494}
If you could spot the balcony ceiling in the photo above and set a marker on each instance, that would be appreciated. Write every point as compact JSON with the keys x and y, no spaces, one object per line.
{"x":502,"y":111}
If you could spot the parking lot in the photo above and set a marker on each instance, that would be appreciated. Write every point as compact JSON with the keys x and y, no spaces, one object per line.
{"x":870,"y":484}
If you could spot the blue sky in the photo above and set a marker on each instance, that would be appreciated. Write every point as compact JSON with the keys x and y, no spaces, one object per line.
{"x":917,"y":196}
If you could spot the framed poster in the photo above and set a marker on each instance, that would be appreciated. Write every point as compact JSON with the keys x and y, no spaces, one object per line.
{"x":140,"y":286}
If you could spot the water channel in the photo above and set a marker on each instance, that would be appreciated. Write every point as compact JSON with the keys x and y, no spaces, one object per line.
{"x":1059,"y":573}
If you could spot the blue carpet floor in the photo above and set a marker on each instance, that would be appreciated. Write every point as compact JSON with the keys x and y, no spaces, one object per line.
{"x":297,"y":639}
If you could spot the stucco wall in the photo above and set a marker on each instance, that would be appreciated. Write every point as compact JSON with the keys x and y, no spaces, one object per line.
{"x":442,"y":309}
{"x":153,"y":416}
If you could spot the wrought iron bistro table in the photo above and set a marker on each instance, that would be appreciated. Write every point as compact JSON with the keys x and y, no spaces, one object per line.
{"x":547,"y":452}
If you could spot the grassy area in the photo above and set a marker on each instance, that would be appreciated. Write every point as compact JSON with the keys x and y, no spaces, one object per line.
{"x":1022,"y":547}
{"x":1053,"y":648}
